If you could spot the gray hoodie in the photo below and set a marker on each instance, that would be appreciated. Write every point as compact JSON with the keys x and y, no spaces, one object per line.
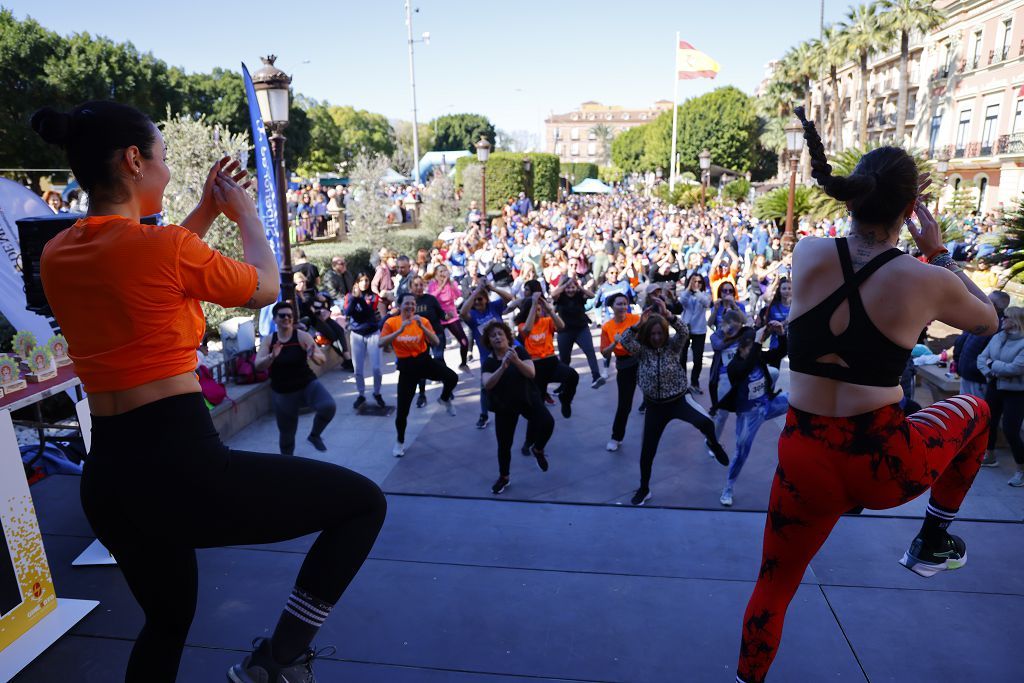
{"x":1007,"y":355}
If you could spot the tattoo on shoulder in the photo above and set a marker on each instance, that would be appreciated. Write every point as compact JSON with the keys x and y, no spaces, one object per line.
{"x":251,"y":303}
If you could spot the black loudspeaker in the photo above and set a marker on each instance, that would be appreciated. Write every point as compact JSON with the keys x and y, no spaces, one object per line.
{"x":33,"y":234}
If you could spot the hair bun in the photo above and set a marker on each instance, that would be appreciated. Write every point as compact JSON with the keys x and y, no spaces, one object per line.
{"x":52,"y":125}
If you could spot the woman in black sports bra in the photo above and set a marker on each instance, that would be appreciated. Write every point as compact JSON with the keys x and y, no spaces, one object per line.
{"x":847,"y":444}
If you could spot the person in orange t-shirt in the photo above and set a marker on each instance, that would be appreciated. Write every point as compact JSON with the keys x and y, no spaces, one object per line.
{"x":625,"y":364}
{"x":159,"y":482}
{"x":411,"y":335}
{"x":538,"y":334}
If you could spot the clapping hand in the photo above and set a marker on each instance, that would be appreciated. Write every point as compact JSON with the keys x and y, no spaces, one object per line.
{"x":506,"y":360}
{"x":928,"y":236}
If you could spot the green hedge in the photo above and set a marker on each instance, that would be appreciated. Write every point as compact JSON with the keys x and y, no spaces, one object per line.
{"x":506,"y":178}
{"x":403,"y":240}
{"x":581,"y":171}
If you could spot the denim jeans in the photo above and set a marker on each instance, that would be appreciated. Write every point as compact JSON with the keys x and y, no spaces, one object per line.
{"x":361,"y":347}
{"x":747,"y":424}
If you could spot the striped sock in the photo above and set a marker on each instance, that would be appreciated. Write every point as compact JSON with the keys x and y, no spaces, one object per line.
{"x":936,"y":521}
{"x":301,"y":619}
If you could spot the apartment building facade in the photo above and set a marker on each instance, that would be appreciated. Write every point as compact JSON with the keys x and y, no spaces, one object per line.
{"x":572,"y":136}
{"x":965,"y":99}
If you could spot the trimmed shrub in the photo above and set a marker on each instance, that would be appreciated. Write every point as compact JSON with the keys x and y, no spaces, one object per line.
{"x":545,"y":177}
{"x":403,"y":240}
{"x":505,"y":178}
{"x":610,"y":174}
{"x":581,"y":170}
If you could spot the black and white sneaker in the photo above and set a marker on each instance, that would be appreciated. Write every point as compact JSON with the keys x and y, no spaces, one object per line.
{"x":380,"y":400}
{"x":542,"y":460}
{"x":421,"y":400}
{"x":500,"y":485}
{"x":927,"y":559}
{"x":483,"y":421}
{"x":359,"y":402}
{"x":718,"y":452}
{"x":259,"y":666}
{"x":598,"y":383}
{"x":642,"y":495}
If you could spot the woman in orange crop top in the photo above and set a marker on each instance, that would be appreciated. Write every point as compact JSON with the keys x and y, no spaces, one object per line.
{"x":158,"y":482}
{"x":847,"y":443}
{"x":537,"y":322}
{"x":409,"y":335}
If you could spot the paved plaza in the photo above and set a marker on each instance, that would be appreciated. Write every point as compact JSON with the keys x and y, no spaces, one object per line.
{"x":559,"y":578}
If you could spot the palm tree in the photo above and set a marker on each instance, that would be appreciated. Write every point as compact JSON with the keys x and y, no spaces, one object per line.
{"x":835,"y":53}
{"x":864,"y":34}
{"x":903,"y":17}
{"x":604,"y":134}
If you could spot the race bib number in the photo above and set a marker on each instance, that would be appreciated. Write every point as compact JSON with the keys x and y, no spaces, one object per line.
{"x":756,"y":388}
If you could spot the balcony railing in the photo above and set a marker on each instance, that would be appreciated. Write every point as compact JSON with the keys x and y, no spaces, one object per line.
{"x":1010,"y":144}
{"x":986,"y":149}
{"x":975,"y":61}
{"x":1005,"y":53}
{"x":991,"y":56}
{"x":958,"y":153}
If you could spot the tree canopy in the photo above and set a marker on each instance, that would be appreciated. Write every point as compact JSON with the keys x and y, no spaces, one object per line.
{"x":461,"y":131}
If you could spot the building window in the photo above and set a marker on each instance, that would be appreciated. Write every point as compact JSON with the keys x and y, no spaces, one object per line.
{"x":1007,"y":34}
{"x":591,"y":135}
{"x":558,"y":133}
{"x":956,"y":183}
{"x":933,"y":133}
{"x":1018,"y":117}
{"x":982,"y":189}
{"x":591,"y":148}
{"x":574,"y":133}
{"x":911,"y":106}
{"x":988,"y":131}
{"x":976,"y":54}
{"x":575,"y":149}
{"x":625,"y":116}
{"x":558,"y":148}
{"x":962,"y":129}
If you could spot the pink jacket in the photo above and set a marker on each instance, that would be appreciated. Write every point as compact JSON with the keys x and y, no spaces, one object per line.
{"x":446,"y":296}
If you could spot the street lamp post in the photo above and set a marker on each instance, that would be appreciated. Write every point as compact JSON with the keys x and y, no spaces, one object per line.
{"x":528,"y":177}
{"x":271,"y":85}
{"x":941,"y":167}
{"x":483,"y":151}
{"x":704,"y":160}
{"x":794,"y":146}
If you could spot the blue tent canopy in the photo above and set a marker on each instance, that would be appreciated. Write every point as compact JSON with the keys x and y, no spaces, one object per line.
{"x":592,"y":186}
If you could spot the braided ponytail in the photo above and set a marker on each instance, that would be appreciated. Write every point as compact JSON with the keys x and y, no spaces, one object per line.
{"x":852,"y":188}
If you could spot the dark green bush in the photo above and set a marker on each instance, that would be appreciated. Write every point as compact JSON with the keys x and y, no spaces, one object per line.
{"x":545,"y":177}
{"x":581,"y":171}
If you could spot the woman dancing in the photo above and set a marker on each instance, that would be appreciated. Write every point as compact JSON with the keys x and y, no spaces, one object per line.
{"x":508,"y":380}
{"x":447,"y":294}
{"x":158,"y":482}
{"x":846,"y":443}
{"x":625,"y":364}
{"x":663,"y":381}
{"x":362,"y":308}
{"x":410,"y":336}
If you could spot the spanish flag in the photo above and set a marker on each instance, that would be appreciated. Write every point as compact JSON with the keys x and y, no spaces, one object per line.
{"x":691,"y":63}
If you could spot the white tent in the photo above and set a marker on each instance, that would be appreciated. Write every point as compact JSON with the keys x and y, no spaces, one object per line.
{"x":592,"y":186}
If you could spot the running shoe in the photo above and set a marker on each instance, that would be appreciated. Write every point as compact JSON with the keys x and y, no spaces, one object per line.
{"x":359,"y":403}
{"x":604,"y":372}
{"x":1017,"y":480}
{"x":317,"y":442}
{"x":449,"y":407}
{"x":720,"y":455}
{"x":380,"y":400}
{"x":421,"y":400}
{"x":499,"y":485}
{"x":695,"y":388}
{"x":347,"y":366}
{"x":547,"y":399}
{"x":399,"y":450}
{"x":989,"y":460}
{"x":483,"y":421}
{"x":464,"y":367}
{"x":566,"y":409}
{"x":598,"y":383}
{"x":613,"y":445}
{"x":525,"y":450}
{"x":642,"y":495}
{"x":542,"y":460}
{"x":726,"y":498}
{"x":927,"y":559}
{"x":260,"y":666}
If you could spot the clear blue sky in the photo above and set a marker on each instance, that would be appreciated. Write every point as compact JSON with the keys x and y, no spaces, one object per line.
{"x":537,"y":56}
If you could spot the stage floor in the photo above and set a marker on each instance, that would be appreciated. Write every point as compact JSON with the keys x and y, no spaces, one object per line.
{"x":493,"y":590}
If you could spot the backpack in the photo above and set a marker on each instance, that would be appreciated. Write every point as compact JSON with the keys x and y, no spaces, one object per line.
{"x":245,"y":371}
{"x":213,"y":391}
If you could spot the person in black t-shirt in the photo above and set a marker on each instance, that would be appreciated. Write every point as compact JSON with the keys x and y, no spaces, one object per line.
{"x":570,"y":300}
{"x":508,"y":376}
{"x":427,"y":306}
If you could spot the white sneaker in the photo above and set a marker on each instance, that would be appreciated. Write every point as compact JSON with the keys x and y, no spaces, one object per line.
{"x":604,"y":373}
{"x":613,"y":445}
{"x":399,"y":450}
{"x":449,"y":407}
{"x":726,"y":498}
{"x":1017,"y":480}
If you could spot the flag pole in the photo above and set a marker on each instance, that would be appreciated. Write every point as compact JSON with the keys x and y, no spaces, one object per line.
{"x":675,"y":116}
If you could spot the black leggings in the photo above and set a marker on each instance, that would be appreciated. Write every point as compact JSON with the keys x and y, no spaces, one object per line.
{"x":1012,"y":404}
{"x":550,"y":370}
{"x":159,"y":483}
{"x":657,"y":417}
{"x":286,"y":410}
{"x":625,"y":379}
{"x":539,"y":426}
{"x":994,"y":398}
{"x":695,"y":342}
{"x":410,"y":372}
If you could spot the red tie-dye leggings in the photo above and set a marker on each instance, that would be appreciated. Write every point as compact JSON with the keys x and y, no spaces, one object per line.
{"x":830,"y":465}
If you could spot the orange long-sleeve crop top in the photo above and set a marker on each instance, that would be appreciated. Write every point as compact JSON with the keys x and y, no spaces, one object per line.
{"x":126,"y":296}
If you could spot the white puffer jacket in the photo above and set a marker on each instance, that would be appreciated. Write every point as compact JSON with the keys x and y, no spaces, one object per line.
{"x":1007,"y":355}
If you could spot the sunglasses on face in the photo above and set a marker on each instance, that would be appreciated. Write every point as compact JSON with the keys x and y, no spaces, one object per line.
{"x":285,"y":316}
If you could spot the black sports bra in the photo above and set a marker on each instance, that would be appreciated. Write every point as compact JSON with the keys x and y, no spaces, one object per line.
{"x":871,"y":358}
